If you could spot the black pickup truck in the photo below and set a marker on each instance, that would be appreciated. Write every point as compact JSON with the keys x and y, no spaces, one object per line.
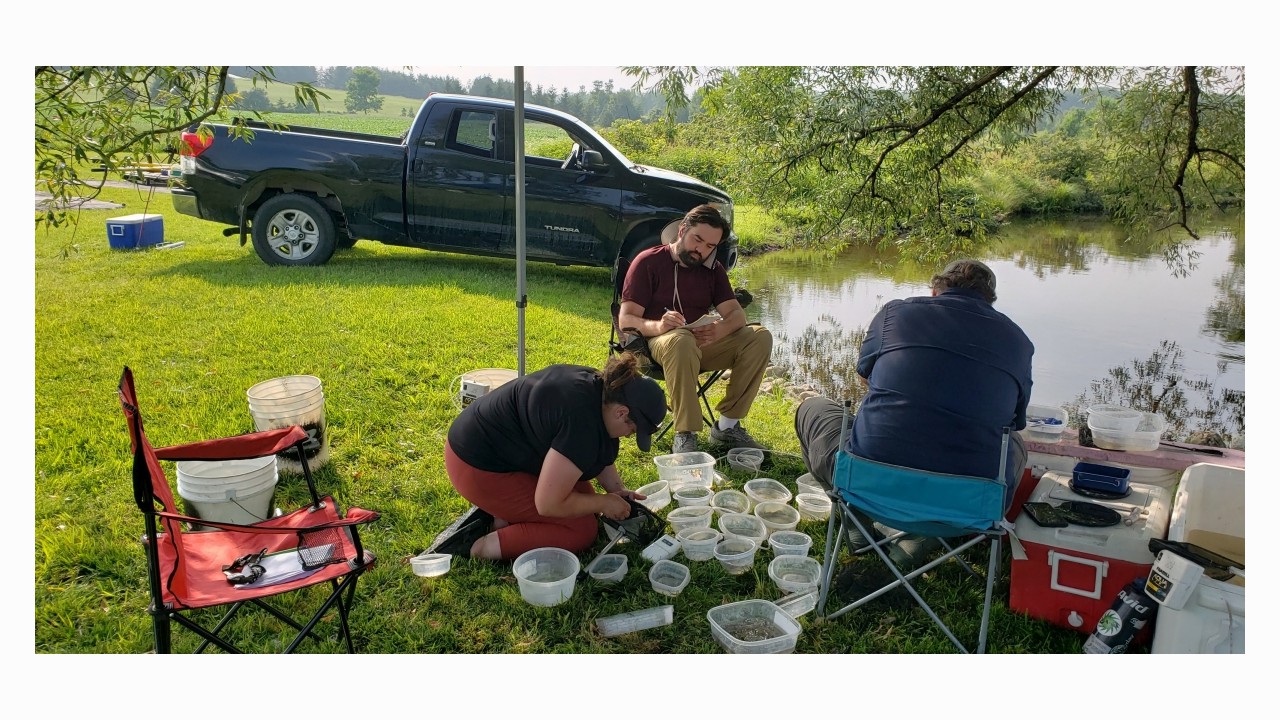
{"x":447,"y":184}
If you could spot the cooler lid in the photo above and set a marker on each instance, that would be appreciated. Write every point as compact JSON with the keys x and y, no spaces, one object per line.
{"x":1122,"y":542}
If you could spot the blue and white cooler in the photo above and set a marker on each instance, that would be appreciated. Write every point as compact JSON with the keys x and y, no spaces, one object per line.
{"x":129,"y":232}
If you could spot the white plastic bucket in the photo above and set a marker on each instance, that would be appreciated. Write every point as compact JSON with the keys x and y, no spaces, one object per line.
{"x":292,"y":400}
{"x":284,"y":388}
{"x":241,"y":510}
{"x":224,"y":473}
{"x":234,"y":491}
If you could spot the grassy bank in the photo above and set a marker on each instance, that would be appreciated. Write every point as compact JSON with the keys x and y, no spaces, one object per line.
{"x":388,"y":331}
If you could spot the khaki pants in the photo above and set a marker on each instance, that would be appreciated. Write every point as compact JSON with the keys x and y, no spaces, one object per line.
{"x":746,"y":352}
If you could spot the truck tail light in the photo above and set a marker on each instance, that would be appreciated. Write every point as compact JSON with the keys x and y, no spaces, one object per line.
{"x":193,"y":144}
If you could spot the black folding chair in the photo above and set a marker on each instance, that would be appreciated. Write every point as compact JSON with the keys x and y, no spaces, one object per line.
{"x":630,"y":340}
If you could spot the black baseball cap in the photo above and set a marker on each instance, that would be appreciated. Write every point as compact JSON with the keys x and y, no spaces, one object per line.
{"x":647,"y":405}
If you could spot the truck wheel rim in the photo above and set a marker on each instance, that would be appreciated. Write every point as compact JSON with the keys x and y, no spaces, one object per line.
{"x":293,"y":234}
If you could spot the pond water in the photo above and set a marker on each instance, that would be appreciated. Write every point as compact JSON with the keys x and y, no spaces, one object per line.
{"x":1091,"y":298}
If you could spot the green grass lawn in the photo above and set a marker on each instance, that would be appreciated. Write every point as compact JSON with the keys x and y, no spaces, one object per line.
{"x":388,"y":331}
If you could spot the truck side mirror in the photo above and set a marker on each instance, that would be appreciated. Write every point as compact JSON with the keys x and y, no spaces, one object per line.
{"x":593,"y":160}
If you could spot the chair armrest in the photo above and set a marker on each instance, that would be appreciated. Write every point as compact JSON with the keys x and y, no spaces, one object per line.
{"x":285,"y":524}
{"x":251,"y":445}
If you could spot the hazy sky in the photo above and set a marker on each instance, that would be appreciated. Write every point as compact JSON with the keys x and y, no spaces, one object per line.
{"x":560,"y":76}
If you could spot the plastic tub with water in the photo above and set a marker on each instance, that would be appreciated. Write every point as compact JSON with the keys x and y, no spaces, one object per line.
{"x":753,"y":626}
{"x":546,"y":576}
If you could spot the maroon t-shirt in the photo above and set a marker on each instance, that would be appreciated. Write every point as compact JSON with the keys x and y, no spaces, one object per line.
{"x":652,"y":281}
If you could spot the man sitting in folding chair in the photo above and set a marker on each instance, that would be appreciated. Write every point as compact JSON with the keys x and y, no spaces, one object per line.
{"x":674,"y":285}
{"x":946,"y":375}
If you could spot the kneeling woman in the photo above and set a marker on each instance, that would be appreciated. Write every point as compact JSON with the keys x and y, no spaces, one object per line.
{"x":525,"y":454}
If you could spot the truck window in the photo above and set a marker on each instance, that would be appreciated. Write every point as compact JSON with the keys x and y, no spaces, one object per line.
{"x":547,"y":144}
{"x":473,"y":133}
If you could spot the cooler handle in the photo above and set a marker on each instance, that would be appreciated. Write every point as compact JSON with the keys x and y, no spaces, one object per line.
{"x":1100,"y":571}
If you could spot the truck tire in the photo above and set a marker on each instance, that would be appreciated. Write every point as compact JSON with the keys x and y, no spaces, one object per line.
{"x":293,"y":229}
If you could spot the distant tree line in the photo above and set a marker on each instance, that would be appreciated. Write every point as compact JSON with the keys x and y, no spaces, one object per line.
{"x":599,"y":105}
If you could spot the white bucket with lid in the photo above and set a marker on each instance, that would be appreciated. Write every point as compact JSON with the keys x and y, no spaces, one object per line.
{"x":292,"y":400}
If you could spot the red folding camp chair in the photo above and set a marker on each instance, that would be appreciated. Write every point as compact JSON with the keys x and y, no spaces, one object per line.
{"x":195,"y":575}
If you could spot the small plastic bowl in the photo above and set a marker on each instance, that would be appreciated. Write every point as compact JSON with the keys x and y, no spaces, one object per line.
{"x":430,"y":564}
{"x":736,"y":554}
{"x":790,"y":542}
{"x":657,"y":495}
{"x":766,"y":489}
{"x":731,"y":501}
{"x":547,"y":576}
{"x":692,"y":496}
{"x":795,"y":573}
{"x":748,"y":527}
{"x":698,"y":544}
{"x":813,"y":506}
{"x":668,"y":577}
{"x":694,"y":516}
{"x":807,"y":483}
{"x":746,"y":459}
{"x":777,"y":515}
{"x":609,"y":568}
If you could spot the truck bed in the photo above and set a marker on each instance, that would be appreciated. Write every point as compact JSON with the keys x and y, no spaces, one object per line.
{"x":259,"y":126}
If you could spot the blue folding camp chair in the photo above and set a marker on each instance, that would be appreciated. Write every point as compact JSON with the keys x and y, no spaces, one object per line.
{"x":915,"y":501}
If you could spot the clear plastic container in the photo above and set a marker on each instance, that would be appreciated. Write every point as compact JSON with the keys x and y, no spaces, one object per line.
{"x":657,"y":495}
{"x":609,"y":568}
{"x":795,"y":573}
{"x":797,"y":604}
{"x":731,"y":501}
{"x":1114,"y":417}
{"x":790,"y":542}
{"x":695,"y":468}
{"x":699,"y":544}
{"x":430,"y":564}
{"x":635,"y":620}
{"x":668,"y":577}
{"x":753,"y":626}
{"x":692,"y":496}
{"x":777,"y":515}
{"x":736,"y":554}
{"x":813,"y":506}
{"x":693,"y":516}
{"x":1045,"y":423}
{"x":766,"y":489}
{"x":746,"y":459}
{"x":1143,"y":438}
{"x":807,"y":483}
{"x":744,"y":526}
{"x":547,"y":576}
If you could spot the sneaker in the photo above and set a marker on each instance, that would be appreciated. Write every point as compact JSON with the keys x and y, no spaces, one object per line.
{"x":685,"y":442}
{"x":458,"y":538}
{"x":911,"y":551}
{"x":735,"y":437}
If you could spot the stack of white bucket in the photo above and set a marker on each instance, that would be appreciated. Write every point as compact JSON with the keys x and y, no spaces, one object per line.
{"x":233,"y":491}
{"x":292,"y":400}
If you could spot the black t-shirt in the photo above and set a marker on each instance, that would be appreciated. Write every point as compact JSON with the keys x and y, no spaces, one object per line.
{"x":511,"y":428}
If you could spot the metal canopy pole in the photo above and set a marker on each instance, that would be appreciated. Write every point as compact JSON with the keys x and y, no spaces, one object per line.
{"x":521,"y":299}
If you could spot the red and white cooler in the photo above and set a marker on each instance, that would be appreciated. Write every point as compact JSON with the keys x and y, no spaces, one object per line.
{"x":1072,"y":574}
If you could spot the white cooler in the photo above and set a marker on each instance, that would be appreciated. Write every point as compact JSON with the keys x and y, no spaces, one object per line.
{"x":1208,"y":510}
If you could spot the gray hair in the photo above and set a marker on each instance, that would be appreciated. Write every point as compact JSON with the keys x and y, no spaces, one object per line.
{"x":969,"y":274}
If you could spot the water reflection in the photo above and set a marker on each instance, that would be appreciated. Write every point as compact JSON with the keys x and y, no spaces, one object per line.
{"x":1090,"y":296}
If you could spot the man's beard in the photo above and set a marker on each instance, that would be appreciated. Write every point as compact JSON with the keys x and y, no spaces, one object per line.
{"x":687,"y":259}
